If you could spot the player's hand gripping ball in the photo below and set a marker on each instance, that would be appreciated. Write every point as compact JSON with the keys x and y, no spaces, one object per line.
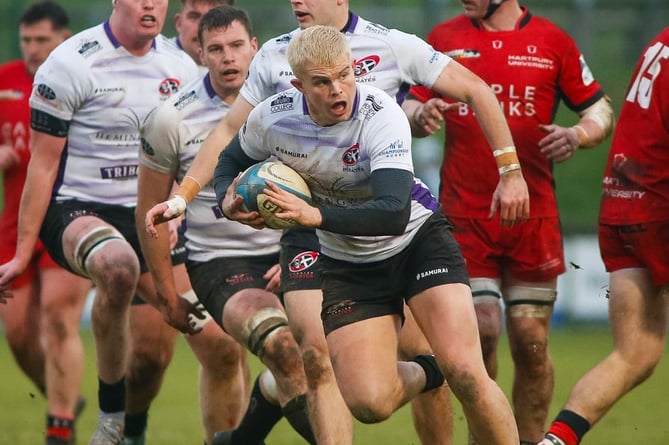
{"x":252,"y":183}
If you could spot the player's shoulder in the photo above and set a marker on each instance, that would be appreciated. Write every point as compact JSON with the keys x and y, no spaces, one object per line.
{"x":278,"y":106}
{"x":458,"y":23}
{"x":361,"y":28}
{"x":372,"y":93}
{"x":192,"y":95}
{"x":363,"y":33}
{"x":542,"y":27}
{"x":278,"y":44}
{"x":85,"y":45}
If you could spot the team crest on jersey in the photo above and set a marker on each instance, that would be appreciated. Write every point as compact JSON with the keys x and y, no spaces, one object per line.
{"x":303,"y":261}
{"x":169,"y":86}
{"x":370,"y":107}
{"x":352,"y":155}
{"x":281,"y":103}
{"x":89,"y":48}
{"x":147,"y":148}
{"x":463,"y":53}
{"x":46,"y":92}
{"x":364,"y":66}
{"x":185,"y":99}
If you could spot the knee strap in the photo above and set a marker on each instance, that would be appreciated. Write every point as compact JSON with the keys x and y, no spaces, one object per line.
{"x":525,"y":301}
{"x":90,"y":243}
{"x":260,"y":326}
{"x":486,"y":290}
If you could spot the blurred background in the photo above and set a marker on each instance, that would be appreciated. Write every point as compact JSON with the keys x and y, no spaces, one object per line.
{"x":610,"y":33}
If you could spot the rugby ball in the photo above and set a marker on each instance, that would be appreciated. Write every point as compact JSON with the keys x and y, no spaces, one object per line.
{"x":252,"y":183}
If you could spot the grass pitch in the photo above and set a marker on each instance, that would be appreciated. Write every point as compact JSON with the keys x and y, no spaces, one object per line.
{"x":174,"y":418}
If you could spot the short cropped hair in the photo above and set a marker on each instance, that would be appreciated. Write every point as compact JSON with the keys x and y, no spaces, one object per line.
{"x":318,"y":44}
{"x":222,"y":17}
{"x":209,"y":2}
{"x":47,"y":10}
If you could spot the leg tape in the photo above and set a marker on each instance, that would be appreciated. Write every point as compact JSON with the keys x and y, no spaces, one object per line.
{"x":90,"y":243}
{"x":260,"y":326}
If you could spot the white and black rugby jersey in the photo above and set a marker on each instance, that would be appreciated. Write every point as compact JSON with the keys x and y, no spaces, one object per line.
{"x":389,"y":59}
{"x":337,"y":161}
{"x":171,"y":138}
{"x":104,"y":93}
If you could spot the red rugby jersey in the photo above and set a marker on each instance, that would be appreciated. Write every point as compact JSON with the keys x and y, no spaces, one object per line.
{"x":15,"y":89}
{"x":636,"y":178}
{"x":530,"y":69}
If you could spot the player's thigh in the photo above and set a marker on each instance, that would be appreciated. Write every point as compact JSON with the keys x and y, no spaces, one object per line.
{"x":412,"y":341}
{"x":637,"y":305}
{"x":20,"y":316}
{"x":445,"y":314}
{"x":365,"y":353}
{"x":303,"y":308}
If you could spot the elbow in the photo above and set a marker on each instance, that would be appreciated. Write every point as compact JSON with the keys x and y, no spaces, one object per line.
{"x":398,"y":221}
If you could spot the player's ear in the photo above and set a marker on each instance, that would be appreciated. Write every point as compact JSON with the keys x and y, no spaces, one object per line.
{"x":297,"y":83}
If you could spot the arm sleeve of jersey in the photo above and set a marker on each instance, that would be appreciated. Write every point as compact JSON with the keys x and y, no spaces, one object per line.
{"x":386,"y":214}
{"x":577,"y":83}
{"x":258,"y":85}
{"x":386,"y":137}
{"x":231,"y":161}
{"x":418,"y":62}
{"x":61,"y":85}
{"x":160,"y":140}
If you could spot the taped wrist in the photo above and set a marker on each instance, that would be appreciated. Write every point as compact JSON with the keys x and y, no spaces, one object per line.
{"x":189,"y":188}
{"x":506,"y":159}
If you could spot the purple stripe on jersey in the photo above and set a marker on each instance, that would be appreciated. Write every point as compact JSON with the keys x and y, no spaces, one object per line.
{"x":114,"y":40}
{"x":108,"y":31}
{"x":305,"y":106}
{"x":351,"y":24}
{"x":208,"y":87}
{"x":61,"y":173}
{"x":421,"y":194}
{"x":179,"y":45}
{"x":402,"y":93}
{"x":356,"y":103}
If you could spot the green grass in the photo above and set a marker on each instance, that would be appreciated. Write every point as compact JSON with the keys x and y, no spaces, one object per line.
{"x":174,"y":419}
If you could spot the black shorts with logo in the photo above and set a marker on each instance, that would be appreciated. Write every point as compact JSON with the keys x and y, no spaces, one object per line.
{"x":215,"y":281}
{"x":358,"y":291}
{"x":300,"y":255}
{"x":60,"y":214}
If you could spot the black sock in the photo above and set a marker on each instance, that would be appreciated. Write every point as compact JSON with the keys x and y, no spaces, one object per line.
{"x":111,"y":397}
{"x":295,"y":412}
{"x":259,"y":419}
{"x":433,"y":376}
{"x":135,"y":424}
{"x":578,"y":424}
